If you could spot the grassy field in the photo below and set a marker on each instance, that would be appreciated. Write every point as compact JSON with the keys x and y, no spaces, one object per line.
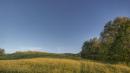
{"x":55,"y":65}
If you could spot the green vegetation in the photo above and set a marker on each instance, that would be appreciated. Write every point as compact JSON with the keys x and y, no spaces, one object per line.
{"x":113,"y":45}
{"x":34,"y":54}
{"x":49,"y":65}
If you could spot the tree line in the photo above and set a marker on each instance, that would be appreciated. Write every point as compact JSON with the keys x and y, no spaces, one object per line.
{"x":113,"y":43}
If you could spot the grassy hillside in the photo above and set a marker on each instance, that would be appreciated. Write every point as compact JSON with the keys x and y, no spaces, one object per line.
{"x":35,"y":54}
{"x":51,"y":65}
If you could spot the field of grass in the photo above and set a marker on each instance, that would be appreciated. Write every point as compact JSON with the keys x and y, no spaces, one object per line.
{"x":57,"y":65}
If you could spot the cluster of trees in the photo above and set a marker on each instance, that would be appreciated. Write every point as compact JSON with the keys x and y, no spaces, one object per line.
{"x":113,"y":43}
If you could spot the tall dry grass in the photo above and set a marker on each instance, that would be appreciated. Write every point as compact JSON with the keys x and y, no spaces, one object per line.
{"x":51,"y":65}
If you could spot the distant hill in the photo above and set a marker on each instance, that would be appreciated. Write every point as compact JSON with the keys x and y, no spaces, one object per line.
{"x":36,"y":54}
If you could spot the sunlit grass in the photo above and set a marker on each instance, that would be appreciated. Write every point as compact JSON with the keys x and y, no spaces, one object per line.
{"x":51,"y":65}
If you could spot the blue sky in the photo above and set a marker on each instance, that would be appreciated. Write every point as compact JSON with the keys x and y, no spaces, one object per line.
{"x":58,"y":26}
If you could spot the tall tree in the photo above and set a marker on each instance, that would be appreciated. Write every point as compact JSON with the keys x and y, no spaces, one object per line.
{"x":120,"y":48}
{"x":90,"y":49}
{"x":113,"y":44}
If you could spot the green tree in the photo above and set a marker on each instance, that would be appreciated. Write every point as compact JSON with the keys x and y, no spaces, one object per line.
{"x":120,"y":48}
{"x":113,"y":44}
{"x":115,"y":39}
{"x":90,"y":49}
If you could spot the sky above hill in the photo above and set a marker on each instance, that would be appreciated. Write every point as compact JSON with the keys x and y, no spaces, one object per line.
{"x":58,"y":26}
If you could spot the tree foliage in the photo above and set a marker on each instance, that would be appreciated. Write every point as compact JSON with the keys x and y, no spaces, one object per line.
{"x":91,"y":48}
{"x":120,"y":48}
{"x":114,"y":41}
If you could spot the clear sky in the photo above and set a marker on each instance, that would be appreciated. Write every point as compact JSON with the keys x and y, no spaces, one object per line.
{"x":58,"y":26}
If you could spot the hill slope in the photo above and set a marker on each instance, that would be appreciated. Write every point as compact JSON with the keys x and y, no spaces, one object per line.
{"x":53,"y":65}
{"x":36,"y":54}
